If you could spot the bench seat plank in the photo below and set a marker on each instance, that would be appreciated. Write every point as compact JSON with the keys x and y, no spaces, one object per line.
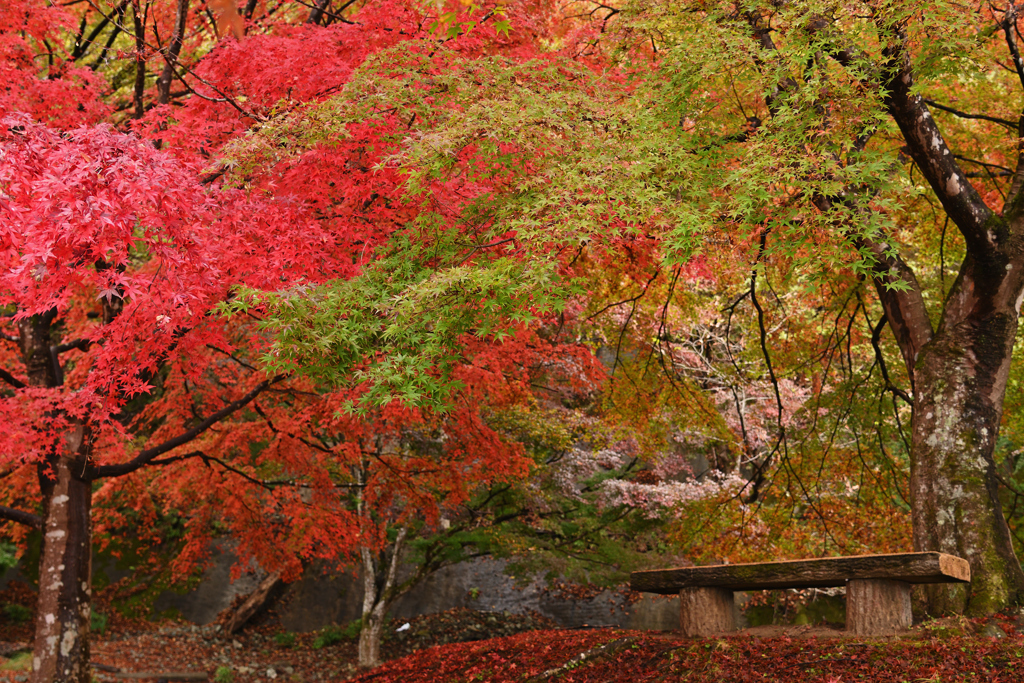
{"x":930,"y":567}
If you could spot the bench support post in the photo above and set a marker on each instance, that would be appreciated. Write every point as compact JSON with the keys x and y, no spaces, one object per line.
{"x":706,"y":611}
{"x":877,"y":607}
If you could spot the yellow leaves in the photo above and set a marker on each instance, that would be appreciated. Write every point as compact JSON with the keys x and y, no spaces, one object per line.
{"x":228,"y":19}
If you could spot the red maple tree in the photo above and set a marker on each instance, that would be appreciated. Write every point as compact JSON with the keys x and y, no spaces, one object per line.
{"x":126,"y":389}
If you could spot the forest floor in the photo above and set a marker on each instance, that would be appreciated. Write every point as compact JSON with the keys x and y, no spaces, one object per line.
{"x":472,"y":646}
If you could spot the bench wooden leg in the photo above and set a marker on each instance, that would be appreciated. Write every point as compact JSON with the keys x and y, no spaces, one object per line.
{"x":706,"y":611}
{"x":877,"y":607}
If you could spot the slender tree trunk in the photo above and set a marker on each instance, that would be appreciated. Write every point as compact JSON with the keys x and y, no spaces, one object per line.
{"x":370,"y":636}
{"x":316,"y":15}
{"x":379,"y":594}
{"x":61,"y":649}
{"x":140,"y":59}
{"x":163,"y":84}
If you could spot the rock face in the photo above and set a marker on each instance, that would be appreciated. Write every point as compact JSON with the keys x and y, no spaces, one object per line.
{"x":215,"y":592}
{"x":321,"y":598}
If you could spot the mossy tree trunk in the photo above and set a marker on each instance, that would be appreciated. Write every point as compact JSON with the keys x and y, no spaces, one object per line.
{"x":63,"y":616}
{"x":959,"y":367}
{"x":960,"y":381}
{"x":958,"y":359}
{"x":380,"y":591}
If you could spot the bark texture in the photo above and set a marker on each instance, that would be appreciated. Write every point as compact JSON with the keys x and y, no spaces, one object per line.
{"x":139,"y":23}
{"x":380,"y":591}
{"x":61,"y":646}
{"x":258,"y":601}
{"x":163,"y":84}
{"x":959,"y":373}
{"x":61,"y":650}
{"x":961,"y":381}
{"x":959,"y":369}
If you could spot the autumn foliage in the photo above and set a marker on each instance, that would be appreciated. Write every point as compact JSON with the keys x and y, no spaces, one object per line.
{"x":122,"y":255}
{"x":321,"y":276}
{"x":616,"y":656}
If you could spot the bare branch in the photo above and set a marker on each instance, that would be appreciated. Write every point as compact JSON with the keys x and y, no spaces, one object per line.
{"x":21,"y":517}
{"x":876,"y":338}
{"x":319,"y":10}
{"x":224,"y":97}
{"x":80,"y":344}
{"x":83,"y":44}
{"x":964,"y":115}
{"x":139,"y":21}
{"x":1009,"y":25}
{"x":11,"y":379}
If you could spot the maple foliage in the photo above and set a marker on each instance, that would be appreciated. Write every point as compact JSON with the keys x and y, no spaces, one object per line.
{"x":118,"y":256}
{"x":122,"y":255}
{"x":491,"y":188}
{"x":172,"y":273}
{"x":797,"y":171}
{"x":64,"y":93}
{"x":97,"y":218}
{"x":449,"y":211}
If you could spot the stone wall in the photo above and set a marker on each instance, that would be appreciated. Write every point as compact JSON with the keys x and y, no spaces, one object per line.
{"x":322,"y":597}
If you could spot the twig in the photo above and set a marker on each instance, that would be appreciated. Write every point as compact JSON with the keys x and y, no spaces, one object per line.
{"x":965,"y":115}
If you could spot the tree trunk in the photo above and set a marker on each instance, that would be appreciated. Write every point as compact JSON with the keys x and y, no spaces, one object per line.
{"x":379,"y":593}
{"x":163,"y":84}
{"x":61,"y":649}
{"x":960,"y":383}
{"x":370,"y":636}
{"x":316,"y":15}
{"x":140,"y":59}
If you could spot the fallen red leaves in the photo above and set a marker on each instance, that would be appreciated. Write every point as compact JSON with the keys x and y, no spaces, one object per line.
{"x":639,"y":656}
{"x":946,"y":650}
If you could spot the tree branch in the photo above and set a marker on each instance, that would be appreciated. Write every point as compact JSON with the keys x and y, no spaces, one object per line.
{"x":224,"y":97}
{"x":80,"y":344}
{"x":150,"y":454}
{"x":961,"y":201}
{"x":140,"y":58}
{"x":163,"y":84}
{"x":964,"y":115}
{"x":319,"y":10}
{"x":21,"y":517}
{"x":1009,"y":25}
{"x":83,"y":44}
{"x":904,"y":307}
{"x":1009,"y":29}
{"x":876,"y":338}
{"x":11,"y":379}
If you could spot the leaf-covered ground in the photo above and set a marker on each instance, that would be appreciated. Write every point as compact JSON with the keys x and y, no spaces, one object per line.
{"x":460,"y":646}
{"x":129,"y":647}
{"x":634,"y":657}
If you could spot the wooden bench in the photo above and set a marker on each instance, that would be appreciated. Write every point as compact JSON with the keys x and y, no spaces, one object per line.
{"x":877,"y":587}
